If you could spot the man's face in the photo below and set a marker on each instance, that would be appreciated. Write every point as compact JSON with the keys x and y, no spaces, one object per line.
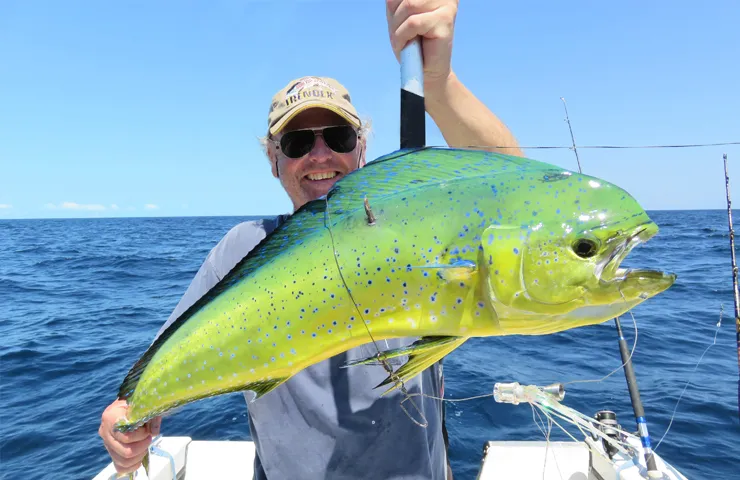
{"x":312,"y":175}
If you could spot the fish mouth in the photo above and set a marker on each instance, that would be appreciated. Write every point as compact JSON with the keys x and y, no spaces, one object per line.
{"x":637,"y":281}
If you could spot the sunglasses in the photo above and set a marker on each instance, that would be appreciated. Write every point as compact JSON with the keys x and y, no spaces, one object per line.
{"x":297,"y":143}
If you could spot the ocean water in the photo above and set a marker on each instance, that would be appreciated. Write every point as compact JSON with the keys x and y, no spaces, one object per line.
{"x":81,"y":299}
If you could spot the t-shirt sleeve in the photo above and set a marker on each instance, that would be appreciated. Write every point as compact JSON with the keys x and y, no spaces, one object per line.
{"x":234,"y":246}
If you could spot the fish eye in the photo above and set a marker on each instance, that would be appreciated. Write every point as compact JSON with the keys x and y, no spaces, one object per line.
{"x":585,"y":247}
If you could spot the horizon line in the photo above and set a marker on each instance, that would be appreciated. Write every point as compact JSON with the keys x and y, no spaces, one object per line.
{"x":266,"y":215}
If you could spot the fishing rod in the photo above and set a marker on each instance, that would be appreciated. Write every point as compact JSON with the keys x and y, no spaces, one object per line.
{"x":734,"y":273}
{"x":629,"y":371}
{"x":413,"y":112}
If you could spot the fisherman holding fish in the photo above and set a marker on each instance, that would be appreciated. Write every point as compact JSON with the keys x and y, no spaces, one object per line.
{"x":328,"y":421}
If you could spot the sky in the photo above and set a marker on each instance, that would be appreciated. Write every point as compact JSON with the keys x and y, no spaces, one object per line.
{"x":143,"y":108}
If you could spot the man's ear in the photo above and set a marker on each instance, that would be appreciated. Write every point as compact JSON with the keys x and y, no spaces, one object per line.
{"x":272,"y":156}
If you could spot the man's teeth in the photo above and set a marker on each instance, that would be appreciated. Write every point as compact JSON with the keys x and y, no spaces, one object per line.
{"x":321,"y":176}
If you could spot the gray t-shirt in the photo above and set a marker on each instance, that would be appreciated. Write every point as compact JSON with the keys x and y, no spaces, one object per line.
{"x":328,"y":422}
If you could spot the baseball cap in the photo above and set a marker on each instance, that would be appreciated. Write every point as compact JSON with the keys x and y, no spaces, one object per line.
{"x":310,"y":92}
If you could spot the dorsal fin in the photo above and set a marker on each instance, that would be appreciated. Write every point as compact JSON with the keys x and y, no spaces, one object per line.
{"x":408,"y":170}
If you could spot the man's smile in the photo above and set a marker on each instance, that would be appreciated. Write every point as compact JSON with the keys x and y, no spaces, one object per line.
{"x":322,"y":175}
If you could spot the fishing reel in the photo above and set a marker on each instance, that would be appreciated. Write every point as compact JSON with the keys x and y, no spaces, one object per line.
{"x":609,"y":426}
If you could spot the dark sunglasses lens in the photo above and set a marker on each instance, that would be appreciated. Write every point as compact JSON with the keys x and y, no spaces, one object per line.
{"x":341,"y":139}
{"x":297,"y":144}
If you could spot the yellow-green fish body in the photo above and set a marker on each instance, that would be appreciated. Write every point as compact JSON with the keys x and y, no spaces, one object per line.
{"x":442,"y":244}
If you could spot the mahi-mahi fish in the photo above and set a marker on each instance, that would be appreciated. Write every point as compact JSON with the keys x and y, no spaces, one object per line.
{"x":440,"y":244}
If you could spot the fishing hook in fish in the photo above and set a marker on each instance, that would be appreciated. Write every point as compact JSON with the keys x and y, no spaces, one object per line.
{"x":369,"y":213}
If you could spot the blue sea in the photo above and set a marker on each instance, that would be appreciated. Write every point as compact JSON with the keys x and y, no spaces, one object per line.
{"x":81,"y":300}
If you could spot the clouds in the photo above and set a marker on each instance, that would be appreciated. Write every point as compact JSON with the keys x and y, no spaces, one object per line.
{"x":5,"y":206}
{"x":151,"y":206}
{"x":92,"y":207}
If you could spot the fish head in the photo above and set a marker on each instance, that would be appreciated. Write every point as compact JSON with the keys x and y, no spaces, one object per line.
{"x":567,"y":262}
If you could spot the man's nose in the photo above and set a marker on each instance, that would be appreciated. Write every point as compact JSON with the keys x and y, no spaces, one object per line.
{"x":320,"y":152}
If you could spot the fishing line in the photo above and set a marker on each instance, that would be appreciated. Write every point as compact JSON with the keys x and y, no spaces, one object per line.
{"x":452,"y":400}
{"x":546,"y":434}
{"x":634,"y":347}
{"x":398,"y":381}
{"x":553,"y":408}
{"x":571,"y":147}
{"x":537,"y":409}
{"x":535,"y":417}
{"x":714,"y":342}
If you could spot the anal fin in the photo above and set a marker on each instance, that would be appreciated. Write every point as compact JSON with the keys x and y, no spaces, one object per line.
{"x":145,"y":463}
{"x":422,"y":354}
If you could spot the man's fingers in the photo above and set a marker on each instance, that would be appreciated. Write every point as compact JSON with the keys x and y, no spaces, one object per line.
{"x":127,"y":454}
{"x":420,"y":25}
{"x":127,"y":459}
{"x":409,"y":8}
{"x":155,"y":426}
{"x":130,"y":437}
{"x":126,"y":450}
{"x":390,"y":7}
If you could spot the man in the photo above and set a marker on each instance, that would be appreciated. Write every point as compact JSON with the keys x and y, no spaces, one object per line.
{"x":327,"y":421}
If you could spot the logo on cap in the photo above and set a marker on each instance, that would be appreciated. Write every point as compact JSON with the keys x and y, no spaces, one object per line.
{"x":308,"y":82}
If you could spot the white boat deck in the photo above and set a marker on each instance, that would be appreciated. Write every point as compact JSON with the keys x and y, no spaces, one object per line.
{"x":215,"y":460}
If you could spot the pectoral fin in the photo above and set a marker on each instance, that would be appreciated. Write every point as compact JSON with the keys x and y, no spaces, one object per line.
{"x":422,"y":354}
{"x":503,"y":250}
